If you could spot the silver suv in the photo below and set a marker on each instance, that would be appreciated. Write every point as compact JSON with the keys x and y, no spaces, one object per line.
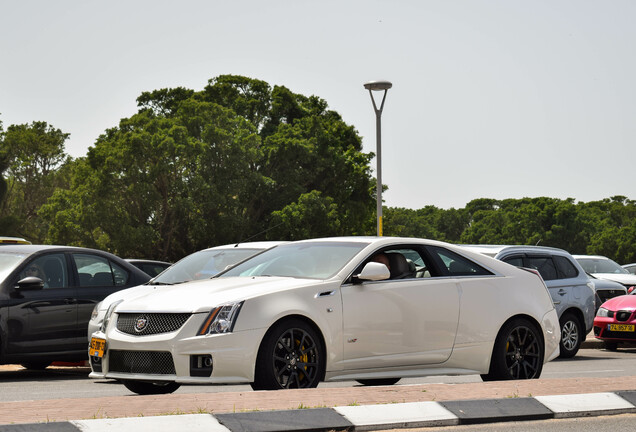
{"x":571,"y":289}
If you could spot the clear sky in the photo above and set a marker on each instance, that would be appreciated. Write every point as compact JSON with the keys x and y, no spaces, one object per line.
{"x":490,"y":98}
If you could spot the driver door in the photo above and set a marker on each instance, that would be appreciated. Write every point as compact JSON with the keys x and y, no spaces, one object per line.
{"x":400,"y":322}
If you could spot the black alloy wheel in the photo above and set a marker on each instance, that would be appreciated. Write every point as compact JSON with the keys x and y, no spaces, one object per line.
{"x":518,"y":352}
{"x":291,"y":356}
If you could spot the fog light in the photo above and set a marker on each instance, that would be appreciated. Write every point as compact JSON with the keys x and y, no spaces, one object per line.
{"x":201,"y":365}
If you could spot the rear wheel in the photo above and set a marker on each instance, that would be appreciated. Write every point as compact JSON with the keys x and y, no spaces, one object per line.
{"x":518,"y":352}
{"x":291,"y":356}
{"x":378,"y":381}
{"x":151,"y":388}
{"x":571,"y":335}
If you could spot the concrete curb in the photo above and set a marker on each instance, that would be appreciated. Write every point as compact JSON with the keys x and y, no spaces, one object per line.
{"x":364,"y":417}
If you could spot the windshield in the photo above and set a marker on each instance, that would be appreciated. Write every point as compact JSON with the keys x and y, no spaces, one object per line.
{"x":600,"y":265}
{"x":314,"y":260}
{"x":203,"y":264}
{"x":8,"y":262}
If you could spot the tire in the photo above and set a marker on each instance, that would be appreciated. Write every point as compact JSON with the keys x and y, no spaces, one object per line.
{"x":518,"y":352}
{"x":610,"y":346}
{"x":378,"y":381}
{"x":151,"y":388}
{"x":571,"y":335}
{"x":35,"y":365}
{"x":291,"y":355}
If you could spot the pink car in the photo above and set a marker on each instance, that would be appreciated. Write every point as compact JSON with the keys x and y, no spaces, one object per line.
{"x":615,"y":321}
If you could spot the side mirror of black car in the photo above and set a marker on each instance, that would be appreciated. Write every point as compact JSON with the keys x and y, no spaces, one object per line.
{"x":30,"y":283}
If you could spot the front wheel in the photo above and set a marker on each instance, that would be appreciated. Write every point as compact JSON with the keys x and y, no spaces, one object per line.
{"x":610,"y":346}
{"x":518,"y":352}
{"x":571,"y":336}
{"x":151,"y":388}
{"x":35,"y":365}
{"x":291,"y":356}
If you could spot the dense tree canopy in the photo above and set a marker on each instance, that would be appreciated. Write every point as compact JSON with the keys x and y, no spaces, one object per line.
{"x":606,"y":227}
{"x":32,"y":158}
{"x":195,"y":169}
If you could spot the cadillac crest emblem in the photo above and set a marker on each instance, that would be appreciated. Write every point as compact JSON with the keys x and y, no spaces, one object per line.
{"x":141,"y":323}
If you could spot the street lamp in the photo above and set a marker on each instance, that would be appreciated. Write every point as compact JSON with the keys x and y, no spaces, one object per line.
{"x":378,"y":86}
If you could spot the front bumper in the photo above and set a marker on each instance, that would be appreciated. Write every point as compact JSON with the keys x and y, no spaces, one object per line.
{"x":603,"y":332}
{"x":179,"y":356}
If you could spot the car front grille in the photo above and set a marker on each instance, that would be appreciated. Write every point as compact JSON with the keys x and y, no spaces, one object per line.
{"x":623,"y":315}
{"x":608,"y":294}
{"x":141,"y":362}
{"x":143,"y":324}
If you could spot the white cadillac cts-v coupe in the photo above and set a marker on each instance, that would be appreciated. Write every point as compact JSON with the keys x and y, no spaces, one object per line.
{"x":371,"y":309}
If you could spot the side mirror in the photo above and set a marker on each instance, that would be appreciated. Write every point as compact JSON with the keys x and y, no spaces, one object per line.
{"x":374,"y":271}
{"x":30,"y":283}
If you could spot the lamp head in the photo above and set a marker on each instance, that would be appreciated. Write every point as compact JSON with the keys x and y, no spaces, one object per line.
{"x":378,"y":85}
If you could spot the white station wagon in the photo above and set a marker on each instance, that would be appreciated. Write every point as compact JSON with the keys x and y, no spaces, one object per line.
{"x":371,"y":309}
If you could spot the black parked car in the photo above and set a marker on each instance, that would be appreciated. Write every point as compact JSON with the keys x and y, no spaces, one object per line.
{"x":47,"y":295}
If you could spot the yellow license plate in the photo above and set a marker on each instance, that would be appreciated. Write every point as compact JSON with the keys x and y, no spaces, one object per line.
{"x":97,"y":347}
{"x":621,"y":327}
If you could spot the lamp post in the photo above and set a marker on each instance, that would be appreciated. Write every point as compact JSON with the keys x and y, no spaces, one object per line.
{"x":378,"y":86}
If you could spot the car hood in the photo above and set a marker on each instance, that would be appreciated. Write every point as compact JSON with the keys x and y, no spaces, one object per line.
{"x":625,"y":279}
{"x":203,"y":295}
{"x":129,"y":293}
{"x":624,"y":302}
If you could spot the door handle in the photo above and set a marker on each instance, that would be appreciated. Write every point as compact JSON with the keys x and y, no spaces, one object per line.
{"x":562,"y":292}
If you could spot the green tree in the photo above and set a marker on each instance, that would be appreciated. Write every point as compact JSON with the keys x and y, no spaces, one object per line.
{"x":32,"y":155}
{"x":196,"y":169}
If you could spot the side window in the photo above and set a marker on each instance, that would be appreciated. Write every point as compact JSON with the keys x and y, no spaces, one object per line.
{"x":50,"y":268}
{"x":544,"y":265}
{"x":94,"y":270}
{"x":457,"y":265}
{"x":565,"y":268}
{"x":516,"y":261}
{"x":403,"y":262}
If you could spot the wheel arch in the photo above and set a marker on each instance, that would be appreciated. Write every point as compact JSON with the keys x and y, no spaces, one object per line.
{"x":514,"y":317}
{"x":494,"y":371}
{"x":307,"y":321}
{"x":578,"y":313}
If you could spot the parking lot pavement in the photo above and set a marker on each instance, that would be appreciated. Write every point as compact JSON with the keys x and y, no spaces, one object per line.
{"x":345,"y":408}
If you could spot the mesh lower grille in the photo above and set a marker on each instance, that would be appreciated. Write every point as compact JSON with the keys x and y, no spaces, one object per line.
{"x":140,"y":324}
{"x":142,"y":362}
{"x":619,"y":335}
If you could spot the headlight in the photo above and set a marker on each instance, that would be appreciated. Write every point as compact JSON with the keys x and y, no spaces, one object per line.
{"x":604,"y":313}
{"x":221,"y":319}
{"x":95,"y":313}
{"x":109,"y":312}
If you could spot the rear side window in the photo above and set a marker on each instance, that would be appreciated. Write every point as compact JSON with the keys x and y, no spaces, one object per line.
{"x":457,"y":265}
{"x":95,"y":270}
{"x":544,"y":265}
{"x":565,"y":268}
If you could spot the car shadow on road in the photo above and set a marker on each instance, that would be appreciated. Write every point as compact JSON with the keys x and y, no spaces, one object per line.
{"x":49,"y":374}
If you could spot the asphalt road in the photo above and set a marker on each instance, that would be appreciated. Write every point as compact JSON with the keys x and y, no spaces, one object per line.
{"x":623,"y":422}
{"x":18,"y":384}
